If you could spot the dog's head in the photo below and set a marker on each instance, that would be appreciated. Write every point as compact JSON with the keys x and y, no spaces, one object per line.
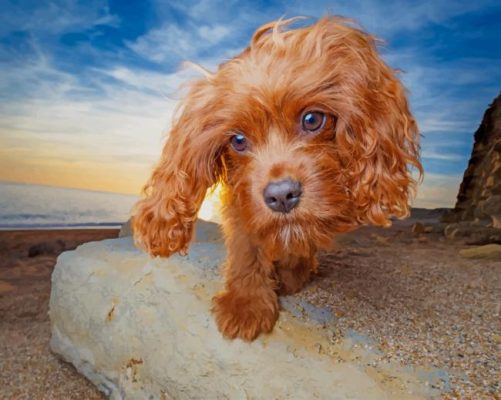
{"x":308,"y":129}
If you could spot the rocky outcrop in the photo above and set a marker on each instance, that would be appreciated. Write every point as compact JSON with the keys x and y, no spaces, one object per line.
{"x":479,"y":197}
{"x":141,"y":328}
{"x":473,"y":232}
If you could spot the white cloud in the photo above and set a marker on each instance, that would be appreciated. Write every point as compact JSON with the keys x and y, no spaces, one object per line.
{"x":432,"y":155}
{"x":168,"y":85}
{"x":121,"y":126}
{"x":56,"y":16}
{"x":162,"y":44}
{"x":386,"y":18}
{"x":171,"y":43}
{"x":213,"y":34}
{"x":447,"y":95}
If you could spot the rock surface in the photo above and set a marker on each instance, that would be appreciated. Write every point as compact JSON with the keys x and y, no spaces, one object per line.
{"x":472,"y":233}
{"x":139,"y":327}
{"x":126,"y":229}
{"x":479,"y":196}
{"x":489,"y":252}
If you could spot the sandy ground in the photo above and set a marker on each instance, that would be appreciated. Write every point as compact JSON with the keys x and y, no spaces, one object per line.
{"x":420,"y":302}
{"x":28,"y":370}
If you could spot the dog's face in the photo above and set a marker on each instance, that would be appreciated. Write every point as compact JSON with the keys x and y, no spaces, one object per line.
{"x":309,"y":131}
{"x":286,"y":177}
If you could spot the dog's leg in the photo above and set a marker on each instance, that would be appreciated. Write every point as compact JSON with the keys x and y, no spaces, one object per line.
{"x":294,"y":275}
{"x":249,"y":305}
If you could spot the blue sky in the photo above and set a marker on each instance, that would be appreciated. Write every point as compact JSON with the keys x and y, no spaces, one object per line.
{"x":87,"y":89}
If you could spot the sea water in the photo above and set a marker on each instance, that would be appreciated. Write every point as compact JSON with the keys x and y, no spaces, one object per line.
{"x":37,"y":206}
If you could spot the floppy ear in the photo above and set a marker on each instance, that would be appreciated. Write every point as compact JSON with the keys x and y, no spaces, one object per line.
{"x":189,"y":165}
{"x":382,"y":137}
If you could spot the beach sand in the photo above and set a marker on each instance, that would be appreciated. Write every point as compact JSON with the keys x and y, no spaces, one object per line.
{"x":419,"y":301}
{"x":28,"y":370}
{"x":411,"y":293}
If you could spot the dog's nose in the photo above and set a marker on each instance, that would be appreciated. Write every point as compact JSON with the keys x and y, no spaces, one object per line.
{"x":282,"y":196}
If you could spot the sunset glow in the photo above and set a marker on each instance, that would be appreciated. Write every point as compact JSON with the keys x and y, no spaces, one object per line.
{"x":89,"y":91}
{"x":211,"y":207}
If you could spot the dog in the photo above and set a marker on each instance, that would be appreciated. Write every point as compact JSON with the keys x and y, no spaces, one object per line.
{"x":310,"y":134}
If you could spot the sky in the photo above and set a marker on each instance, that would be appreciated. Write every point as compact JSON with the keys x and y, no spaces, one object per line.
{"x":88,"y":88}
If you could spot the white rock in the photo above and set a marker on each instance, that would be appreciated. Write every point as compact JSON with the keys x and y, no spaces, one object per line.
{"x":141,"y":328}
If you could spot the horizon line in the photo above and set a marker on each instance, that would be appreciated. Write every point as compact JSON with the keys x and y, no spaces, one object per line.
{"x":67,"y":187}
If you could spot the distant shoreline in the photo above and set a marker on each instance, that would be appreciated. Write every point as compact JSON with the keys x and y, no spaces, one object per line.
{"x":26,"y":227}
{"x":36,"y":207}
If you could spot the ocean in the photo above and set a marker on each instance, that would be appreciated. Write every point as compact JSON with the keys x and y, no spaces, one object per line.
{"x":37,"y":206}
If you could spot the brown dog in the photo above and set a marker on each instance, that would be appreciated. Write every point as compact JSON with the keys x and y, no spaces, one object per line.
{"x":310,"y":134}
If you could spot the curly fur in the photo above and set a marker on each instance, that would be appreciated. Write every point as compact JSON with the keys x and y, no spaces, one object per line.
{"x":356,"y":171}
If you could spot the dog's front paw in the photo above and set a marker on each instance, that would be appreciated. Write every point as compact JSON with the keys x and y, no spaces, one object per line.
{"x":245,"y":317}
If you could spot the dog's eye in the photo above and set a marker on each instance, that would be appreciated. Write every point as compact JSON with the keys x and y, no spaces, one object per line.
{"x":239,"y":142}
{"x":313,"y":121}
